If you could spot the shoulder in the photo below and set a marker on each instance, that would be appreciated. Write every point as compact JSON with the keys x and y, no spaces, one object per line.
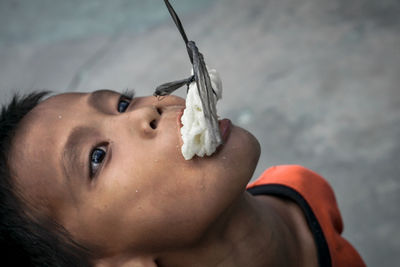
{"x":310,"y":185}
{"x":294,"y":182}
{"x":291,"y":175}
{"x":313,"y":194}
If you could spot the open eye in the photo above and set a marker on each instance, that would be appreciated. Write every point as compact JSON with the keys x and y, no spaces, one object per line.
{"x":124,"y":100}
{"x":96,"y":158}
{"x":123,"y":104}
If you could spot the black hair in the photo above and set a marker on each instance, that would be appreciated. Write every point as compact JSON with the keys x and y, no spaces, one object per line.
{"x":26,"y":239}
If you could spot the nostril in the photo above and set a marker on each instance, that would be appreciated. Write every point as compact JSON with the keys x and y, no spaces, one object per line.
{"x":159,"y":111}
{"x":153,"y":124}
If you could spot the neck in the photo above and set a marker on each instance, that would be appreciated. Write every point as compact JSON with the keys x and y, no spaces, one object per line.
{"x":251,"y":233}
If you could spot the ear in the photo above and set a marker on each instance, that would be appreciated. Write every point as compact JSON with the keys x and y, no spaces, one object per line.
{"x":125,"y":262}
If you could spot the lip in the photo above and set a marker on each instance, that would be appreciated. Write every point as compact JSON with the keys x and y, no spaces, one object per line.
{"x":180,"y":114}
{"x":225,"y":126}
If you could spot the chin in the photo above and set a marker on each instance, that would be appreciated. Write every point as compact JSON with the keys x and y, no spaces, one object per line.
{"x":251,"y":147}
{"x":246,"y":139}
{"x":242,"y":152}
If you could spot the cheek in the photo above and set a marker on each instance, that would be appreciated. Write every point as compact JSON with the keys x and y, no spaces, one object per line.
{"x":167,"y":145}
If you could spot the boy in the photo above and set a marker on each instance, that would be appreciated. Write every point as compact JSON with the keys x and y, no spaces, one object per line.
{"x":99,"y":180}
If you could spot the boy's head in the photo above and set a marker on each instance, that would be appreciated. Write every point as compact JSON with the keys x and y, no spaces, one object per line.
{"x":109,"y":170}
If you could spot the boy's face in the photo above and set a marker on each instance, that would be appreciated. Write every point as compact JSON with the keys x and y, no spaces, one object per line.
{"x":143,"y":195}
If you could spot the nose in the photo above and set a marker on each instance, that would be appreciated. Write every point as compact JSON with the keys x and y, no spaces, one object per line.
{"x":146,"y":112}
{"x":147,"y":118}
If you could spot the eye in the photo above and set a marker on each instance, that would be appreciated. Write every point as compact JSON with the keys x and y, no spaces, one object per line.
{"x":123,"y":104}
{"x":124,"y":100}
{"x":96,"y":158}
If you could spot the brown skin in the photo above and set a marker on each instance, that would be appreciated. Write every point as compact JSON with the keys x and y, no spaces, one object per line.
{"x":147,"y":205}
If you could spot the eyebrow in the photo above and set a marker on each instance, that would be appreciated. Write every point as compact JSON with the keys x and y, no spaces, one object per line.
{"x":72,"y":151}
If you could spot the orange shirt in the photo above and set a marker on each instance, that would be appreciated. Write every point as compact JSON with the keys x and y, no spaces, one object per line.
{"x":317,"y":200}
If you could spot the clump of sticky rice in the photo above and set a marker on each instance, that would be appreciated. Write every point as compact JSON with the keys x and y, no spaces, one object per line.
{"x":196,"y":135}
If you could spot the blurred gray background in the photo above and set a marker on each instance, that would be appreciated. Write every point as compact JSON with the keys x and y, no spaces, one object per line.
{"x":316,"y":81}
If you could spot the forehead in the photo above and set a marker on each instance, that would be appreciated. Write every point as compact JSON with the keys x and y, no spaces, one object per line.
{"x":46,"y":110}
{"x":53,"y":117}
{"x":43,"y":119}
{"x":33,"y":156}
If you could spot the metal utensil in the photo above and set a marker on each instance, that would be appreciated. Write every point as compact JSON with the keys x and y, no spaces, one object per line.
{"x":207,"y":94}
